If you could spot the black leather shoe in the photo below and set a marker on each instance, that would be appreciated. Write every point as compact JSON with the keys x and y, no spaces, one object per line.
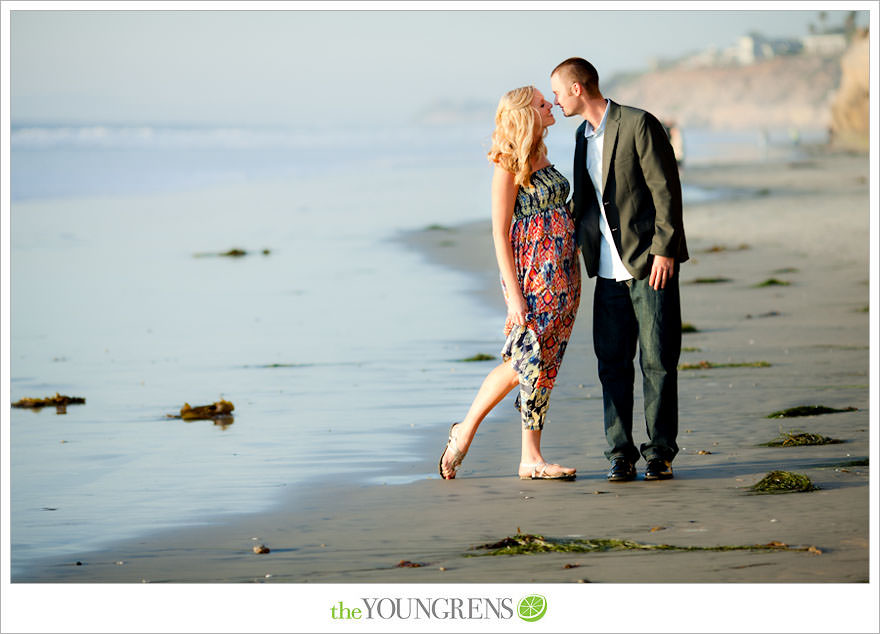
{"x":658,"y":469}
{"x":622,"y":470}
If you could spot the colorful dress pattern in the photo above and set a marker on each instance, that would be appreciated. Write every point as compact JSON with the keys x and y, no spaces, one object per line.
{"x":548,"y":269}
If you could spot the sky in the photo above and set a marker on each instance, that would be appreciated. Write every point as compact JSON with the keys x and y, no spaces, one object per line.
{"x":293,"y":67}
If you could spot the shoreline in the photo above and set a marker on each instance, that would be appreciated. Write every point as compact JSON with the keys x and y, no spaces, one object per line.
{"x":185,"y":329}
{"x":814,"y":334}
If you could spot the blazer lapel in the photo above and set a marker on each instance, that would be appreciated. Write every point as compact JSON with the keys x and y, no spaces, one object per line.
{"x":579,"y":171}
{"x":612,"y":124}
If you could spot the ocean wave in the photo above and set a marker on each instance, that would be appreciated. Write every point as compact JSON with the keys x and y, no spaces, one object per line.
{"x":101,"y":136}
{"x":145,"y":137}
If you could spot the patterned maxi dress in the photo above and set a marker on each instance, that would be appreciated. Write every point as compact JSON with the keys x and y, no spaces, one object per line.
{"x":548,"y":269}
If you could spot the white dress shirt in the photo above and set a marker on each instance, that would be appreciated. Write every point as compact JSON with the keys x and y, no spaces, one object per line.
{"x":610,"y":264}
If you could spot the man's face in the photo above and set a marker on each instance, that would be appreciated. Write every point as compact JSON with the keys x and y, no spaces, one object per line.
{"x":563,"y":97}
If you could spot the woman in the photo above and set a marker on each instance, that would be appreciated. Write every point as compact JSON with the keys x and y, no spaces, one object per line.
{"x":540,"y":277}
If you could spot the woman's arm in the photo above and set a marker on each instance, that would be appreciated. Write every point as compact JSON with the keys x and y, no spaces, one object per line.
{"x":503,"y":201}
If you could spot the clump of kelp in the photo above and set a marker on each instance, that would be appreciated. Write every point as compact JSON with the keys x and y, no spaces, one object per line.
{"x":687,"y":327}
{"x":405,"y":563}
{"x":477,"y":357}
{"x":783,"y":482}
{"x":231,"y":253}
{"x":59,"y":402}
{"x":708,"y":365}
{"x":863,"y":462}
{"x":269,"y":366}
{"x":220,"y":412}
{"x":794,"y":438}
{"x":809,"y":410}
{"x":770,"y":313}
{"x":721,"y":248}
{"x":527,"y":544}
{"x":772,"y":282}
{"x":710,"y":280}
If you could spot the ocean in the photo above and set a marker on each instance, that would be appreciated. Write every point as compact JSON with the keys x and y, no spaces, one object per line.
{"x":335,"y":345}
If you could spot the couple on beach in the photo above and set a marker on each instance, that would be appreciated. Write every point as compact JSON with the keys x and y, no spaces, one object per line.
{"x":625,"y":215}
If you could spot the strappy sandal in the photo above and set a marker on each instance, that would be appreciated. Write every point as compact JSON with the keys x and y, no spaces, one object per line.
{"x":539,"y":472}
{"x":457,"y":455}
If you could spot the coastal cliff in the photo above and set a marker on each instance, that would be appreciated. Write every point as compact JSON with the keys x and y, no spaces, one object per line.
{"x":818,"y":92}
{"x":790,"y":91}
{"x":849,"y":110}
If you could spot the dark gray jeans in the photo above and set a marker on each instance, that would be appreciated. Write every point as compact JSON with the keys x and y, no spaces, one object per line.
{"x":626,"y":314}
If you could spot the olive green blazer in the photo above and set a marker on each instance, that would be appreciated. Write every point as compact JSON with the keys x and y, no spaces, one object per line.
{"x":641,"y":191}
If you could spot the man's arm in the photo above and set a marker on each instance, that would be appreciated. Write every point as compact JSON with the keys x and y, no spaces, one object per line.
{"x":657,"y":160}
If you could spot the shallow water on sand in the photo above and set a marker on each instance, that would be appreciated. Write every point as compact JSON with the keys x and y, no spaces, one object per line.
{"x":335,"y":347}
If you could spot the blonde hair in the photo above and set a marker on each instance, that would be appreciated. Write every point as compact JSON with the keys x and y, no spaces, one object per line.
{"x":518,"y":139}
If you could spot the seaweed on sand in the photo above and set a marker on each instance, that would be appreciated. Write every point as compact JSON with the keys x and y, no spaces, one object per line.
{"x":478,"y":357}
{"x":405,"y":563}
{"x":708,"y":365}
{"x":800,"y":439}
{"x":688,"y":327}
{"x":772,"y":282}
{"x":720,"y":248}
{"x":231,"y":253}
{"x":219,"y":412}
{"x":59,"y":402}
{"x":783,"y":482}
{"x":809,"y":410}
{"x":526,"y":544}
{"x":710,"y":280}
{"x":863,"y":462}
{"x":269,"y":366}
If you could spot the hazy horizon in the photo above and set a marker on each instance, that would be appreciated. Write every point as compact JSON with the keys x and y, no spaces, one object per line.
{"x":317,"y":68}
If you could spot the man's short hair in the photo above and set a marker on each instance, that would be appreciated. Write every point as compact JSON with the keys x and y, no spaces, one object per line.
{"x":583,"y":72}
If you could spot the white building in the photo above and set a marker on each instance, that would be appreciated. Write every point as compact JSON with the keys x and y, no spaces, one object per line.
{"x":754,"y":47}
{"x":825,"y":43}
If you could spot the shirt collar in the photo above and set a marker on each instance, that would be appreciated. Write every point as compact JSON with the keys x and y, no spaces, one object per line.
{"x":589,"y":131}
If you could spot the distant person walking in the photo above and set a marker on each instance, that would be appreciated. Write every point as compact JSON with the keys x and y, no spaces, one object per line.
{"x":533,"y":234}
{"x":628,"y":213}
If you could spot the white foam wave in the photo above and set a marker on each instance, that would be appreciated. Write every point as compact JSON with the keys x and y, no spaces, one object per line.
{"x":145,"y":137}
{"x":171,"y":137}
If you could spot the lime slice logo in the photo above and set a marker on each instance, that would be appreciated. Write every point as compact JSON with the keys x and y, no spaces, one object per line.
{"x":532,"y":608}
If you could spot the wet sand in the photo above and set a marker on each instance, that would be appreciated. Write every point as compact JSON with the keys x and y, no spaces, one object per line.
{"x":805,"y":223}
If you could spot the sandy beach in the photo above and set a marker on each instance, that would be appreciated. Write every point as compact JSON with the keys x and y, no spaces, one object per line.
{"x":803,"y":223}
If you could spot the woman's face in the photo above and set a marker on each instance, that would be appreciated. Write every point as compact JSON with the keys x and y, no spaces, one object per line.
{"x":543,"y":107}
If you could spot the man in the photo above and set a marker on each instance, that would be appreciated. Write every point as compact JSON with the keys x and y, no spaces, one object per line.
{"x":628,"y":218}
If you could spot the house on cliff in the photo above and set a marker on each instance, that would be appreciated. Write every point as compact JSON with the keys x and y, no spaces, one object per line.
{"x":826,"y":44}
{"x":754,"y":47}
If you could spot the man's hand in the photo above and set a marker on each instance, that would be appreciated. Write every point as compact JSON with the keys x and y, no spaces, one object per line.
{"x":661,"y":272}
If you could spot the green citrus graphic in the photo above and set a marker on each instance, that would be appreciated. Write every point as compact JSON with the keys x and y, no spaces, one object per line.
{"x":532,"y":608}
